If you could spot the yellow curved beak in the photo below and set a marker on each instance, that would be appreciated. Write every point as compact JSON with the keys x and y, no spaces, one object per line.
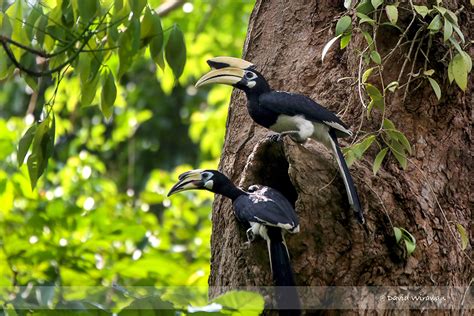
{"x":224,"y":62}
{"x":229,"y":76}
{"x":188,"y":181}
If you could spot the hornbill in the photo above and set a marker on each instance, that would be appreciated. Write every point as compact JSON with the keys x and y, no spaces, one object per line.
{"x":266,"y":213}
{"x":285,"y":113}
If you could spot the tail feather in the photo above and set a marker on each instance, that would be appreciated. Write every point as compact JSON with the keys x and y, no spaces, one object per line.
{"x":286,"y":295}
{"x":346,"y":176}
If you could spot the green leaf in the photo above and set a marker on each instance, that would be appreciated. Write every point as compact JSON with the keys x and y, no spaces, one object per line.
{"x":365,"y":7}
{"x":375,"y":56}
{"x":429,"y":72}
{"x":410,"y":246}
{"x":451,"y":17}
{"x":137,"y":6}
{"x":376,"y":3}
{"x":141,"y":306}
{"x":378,"y":160}
{"x":387,"y":124}
{"x":345,"y":39}
{"x":464,"y":237}
{"x":392,"y":13}
{"x":450,"y":72}
{"x":373,"y":92}
{"x":87,"y":9}
{"x":421,"y":10}
{"x":244,"y":302}
{"x":343,"y":24}
{"x":25,"y":143}
{"x":448,"y":30}
{"x":41,"y":150}
{"x":460,"y":72}
{"x":89,"y":90}
{"x":467,"y":61}
{"x":108,"y":95}
{"x":409,"y":240}
{"x":365,"y":19}
{"x":360,"y":148}
{"x":399,"y":153}
{"x":129,"y":43}
{"x":368,"y":38}
{"x":436,"y":88}
{"x":460,"y":34}
{"x":392,"y":86}
{"x":398,"y":234}
{"x":435,"y":24}
{"x":176,"y":51}
{"x":367,"y":74}
{"x":440,"y":9}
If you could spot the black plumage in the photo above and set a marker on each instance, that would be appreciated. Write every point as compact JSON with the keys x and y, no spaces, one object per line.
{"x":286,"y":113}
{"x":265,"y":212}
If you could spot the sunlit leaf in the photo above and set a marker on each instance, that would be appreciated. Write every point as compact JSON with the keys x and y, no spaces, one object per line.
{"x":421,"y":10}
{"x":347,"y":4}
{"x":25,"y":143}
{"x":448,"y":30}
{"x":392,"y":13}
{"x":375,"y":56}
{"x":435,"y":24}
{"x":108,"y":95}
{"x":175,"y":51}
{"x":459,"y":69}
{"x":376,"y":3}
{"x":392,"y":86}
{"x":378,"y":160}
{"x":367,"y":74}
{"x":345,"y":39}
{"x":398,"y":234}
{"x":365,"y":19}
{"x":137,"y":6}
{"x":464,"y":236}
{"x":245,"y":302}
{"x":436,"y":88}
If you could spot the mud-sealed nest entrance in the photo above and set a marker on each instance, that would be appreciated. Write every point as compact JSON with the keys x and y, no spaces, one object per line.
{"x":268,"y":165}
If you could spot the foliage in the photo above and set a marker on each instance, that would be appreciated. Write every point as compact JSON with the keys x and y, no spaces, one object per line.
{"x":435,"y":26}
{"x":409,"y":240}
{"x":101,"y":87}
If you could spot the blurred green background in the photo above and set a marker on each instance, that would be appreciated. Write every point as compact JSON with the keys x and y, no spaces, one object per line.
{"x":99,"y":215}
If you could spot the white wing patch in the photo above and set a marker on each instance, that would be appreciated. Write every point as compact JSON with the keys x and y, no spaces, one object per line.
{"x":287,"y":226}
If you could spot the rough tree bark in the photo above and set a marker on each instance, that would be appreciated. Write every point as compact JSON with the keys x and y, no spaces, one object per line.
{"x":285,"y":40}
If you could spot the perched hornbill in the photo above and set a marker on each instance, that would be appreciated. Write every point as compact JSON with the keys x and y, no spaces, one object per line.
{"x":266,"y":212}
{"x":285,"y":113}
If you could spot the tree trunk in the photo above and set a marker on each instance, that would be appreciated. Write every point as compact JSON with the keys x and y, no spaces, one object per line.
{"x":285,"y":40}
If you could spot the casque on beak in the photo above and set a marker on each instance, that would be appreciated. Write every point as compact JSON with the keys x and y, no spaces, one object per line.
{"x":224,"y":62}
{"x":188,"y":181}
{"x":228,"y":75}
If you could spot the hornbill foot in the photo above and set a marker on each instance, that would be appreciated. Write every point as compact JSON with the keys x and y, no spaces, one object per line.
{"x":275,"y":138}
{"x":250,"y":236}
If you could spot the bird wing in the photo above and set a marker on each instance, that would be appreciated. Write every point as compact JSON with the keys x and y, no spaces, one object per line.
{"x":296,"y":104}
{"x":268,"y":207}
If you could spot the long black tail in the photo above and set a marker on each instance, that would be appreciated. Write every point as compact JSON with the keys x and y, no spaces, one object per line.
{"x":286,"y":295}
{"x":346,"y":176}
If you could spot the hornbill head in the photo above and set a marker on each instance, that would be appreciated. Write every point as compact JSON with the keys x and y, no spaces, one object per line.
{"x":235,"y":72}
{"x":195,"y":180}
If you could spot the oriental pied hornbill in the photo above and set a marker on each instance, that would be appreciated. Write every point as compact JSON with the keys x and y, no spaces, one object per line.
{"x":266,"y":212}
{"x":285,"y":113}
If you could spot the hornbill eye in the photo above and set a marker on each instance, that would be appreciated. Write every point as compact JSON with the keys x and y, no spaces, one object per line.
{"x":249,"y":75}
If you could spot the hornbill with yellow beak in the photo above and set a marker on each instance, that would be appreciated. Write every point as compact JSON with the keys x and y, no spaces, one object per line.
{"x":266,"y":213}
{"x":285,"y":113}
